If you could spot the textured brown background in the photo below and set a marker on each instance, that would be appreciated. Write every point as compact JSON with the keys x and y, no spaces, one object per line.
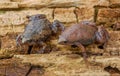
{"x":13,"y":15}
{"x":13,"y":12}
{"x":13,"y":20}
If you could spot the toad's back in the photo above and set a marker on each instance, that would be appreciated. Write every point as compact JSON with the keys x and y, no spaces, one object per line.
{"x":85,"y":34}
{"x":38,"y":29}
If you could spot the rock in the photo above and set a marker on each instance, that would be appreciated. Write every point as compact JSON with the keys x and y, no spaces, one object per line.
{"x":4,"y":1}
{"x":114,"y":1}
{"x":107,"y":12}
{"x":91,"y":3}
{"x":112,"y":61}
{"x":59,"y":3}
{"x":93,"y":73}
{"x":8,"y":42}
{"x":84,"y":13}
{"x":19,"y":17}
{"x":102,"y":3}
{"x":12,"y":18}
{"x":108,"y":16}
{"x":16,"y":0}
{"x":34,"y":3}
{"x":5,"y":54}
{"x":65,"y":15}
{"x":11,"y":29}
{"x":65,"y":3}
{"x":114,"y":35}
{"x":8,"y":5}
{"x":14,"y":21}
{"x":113,"y":44}
{"x":13,"y":67}
{"x":62,"y":64}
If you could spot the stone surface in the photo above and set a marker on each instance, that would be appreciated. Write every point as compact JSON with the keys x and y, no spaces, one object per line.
{"x":114,"y":1}
{"x":85,"y":13}
{"x":65,"y":15}
{"x":109,"y":61}
{"x":34,"y":3}
{"x":8,"y":5}
{"x":16,"y":0}
{"x":91,"y":3}
{"x":102,"y":3}
{"x":8,"y":41}
{"x":11,"y":29}
{"x":10,"y":18}
{"x":107,"y":12}
{"x":5,"y":54}
{"x":57,"y":3}
{"x":78,"y":3}
{"x":114,"y":43}
{"x":12,"y":67}
{"x":66,"y":63}
{"x":4,"y":0}
{"x":65,"y":3}
{"x":13,"y":20}
{"x":108,"y":16}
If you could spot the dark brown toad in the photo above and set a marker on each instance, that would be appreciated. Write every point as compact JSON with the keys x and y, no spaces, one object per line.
{"x":83,"y":34}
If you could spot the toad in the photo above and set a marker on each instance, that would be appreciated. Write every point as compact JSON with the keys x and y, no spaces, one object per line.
{"x":83,"y":34}
{"x":38,"y":30}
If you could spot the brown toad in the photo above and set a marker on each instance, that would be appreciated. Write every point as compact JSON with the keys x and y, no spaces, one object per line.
{"x":83,"y":34}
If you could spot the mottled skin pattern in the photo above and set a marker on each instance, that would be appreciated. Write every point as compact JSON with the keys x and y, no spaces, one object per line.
{"x":116,"y":26}
{"x":37,"y":31}
{"x":83,"y":34}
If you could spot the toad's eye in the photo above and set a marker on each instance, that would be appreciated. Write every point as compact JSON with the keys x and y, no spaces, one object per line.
{"x":30,"y":40}
{"x":65,"y":41}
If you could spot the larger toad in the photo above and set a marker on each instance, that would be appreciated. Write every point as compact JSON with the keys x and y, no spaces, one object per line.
{"x":37,"y":31}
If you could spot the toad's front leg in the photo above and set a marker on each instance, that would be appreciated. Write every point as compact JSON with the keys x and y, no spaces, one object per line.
{"x":83,"y":52}
{"x":57,"y":24}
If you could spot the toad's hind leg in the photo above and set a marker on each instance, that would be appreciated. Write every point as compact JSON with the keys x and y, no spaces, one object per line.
{"x":29,"y":49}
{"x":42,"y":51}
{"x":83,"y":52}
